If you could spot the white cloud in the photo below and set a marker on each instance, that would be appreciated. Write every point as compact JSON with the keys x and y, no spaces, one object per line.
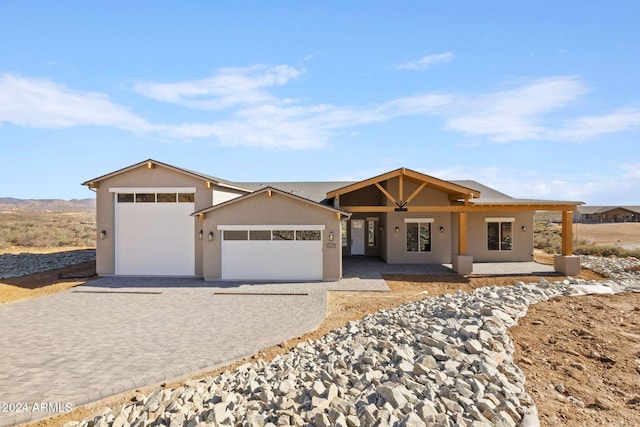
{"x":514,"y":114}
{"x":425,"y":62}
{"x":584,"y":128}
{"x":249,"y":113}
{"x":228,"y":88}
{"x":42,"y":103}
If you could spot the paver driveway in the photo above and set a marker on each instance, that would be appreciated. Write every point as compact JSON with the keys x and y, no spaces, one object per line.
{"x":116,"y":334}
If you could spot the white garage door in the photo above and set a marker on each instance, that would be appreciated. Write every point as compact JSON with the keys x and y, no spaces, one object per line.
{"x":272,"y":252}
{"x":155,"y":232}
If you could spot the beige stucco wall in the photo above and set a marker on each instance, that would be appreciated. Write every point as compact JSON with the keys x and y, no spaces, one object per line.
{"x":477,"y":237}
{"x":278,"y":209}
{"x":396,"y":243}
{"x":142,"y":177}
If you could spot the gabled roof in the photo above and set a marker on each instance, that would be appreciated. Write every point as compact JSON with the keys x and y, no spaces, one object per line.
{"x":436,"y":183}
{"x":151,"y":162}
{"x":275,"y":190}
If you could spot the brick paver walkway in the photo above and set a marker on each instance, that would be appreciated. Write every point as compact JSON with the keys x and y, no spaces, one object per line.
{"x":113,"y":335}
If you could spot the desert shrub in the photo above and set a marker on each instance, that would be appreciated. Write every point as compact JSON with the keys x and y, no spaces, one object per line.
{"x":605,"y":251}
{"x":47,"y":229}
{"x":548,"y":238}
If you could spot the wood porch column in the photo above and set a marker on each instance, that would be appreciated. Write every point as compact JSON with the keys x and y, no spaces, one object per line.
{"x":462,"y":233}
{"x":567,"y":233}
{"x":461,"y":262}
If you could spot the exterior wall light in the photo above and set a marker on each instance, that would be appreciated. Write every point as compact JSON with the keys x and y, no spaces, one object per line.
{"x":210,"y":236}
{"x":397,"y":229}
{"x":200,"y":235}
{"x":524,"y":228}
{"x":442,"y":228}
{"x":103,"y":235}
{"x":331,"y":236}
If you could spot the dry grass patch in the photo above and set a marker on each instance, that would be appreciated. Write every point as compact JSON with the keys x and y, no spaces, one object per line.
{"x":44,"y":283}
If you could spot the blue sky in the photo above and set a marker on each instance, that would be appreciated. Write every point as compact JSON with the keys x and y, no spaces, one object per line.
{"x":536,"y":99}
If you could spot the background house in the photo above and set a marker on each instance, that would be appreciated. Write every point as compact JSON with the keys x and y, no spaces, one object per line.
{"x":607,"y":214}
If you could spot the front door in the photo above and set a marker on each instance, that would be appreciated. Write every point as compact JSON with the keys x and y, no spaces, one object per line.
{"x":357,"y":237}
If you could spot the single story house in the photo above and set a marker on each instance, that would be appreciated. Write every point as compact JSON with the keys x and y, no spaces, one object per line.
{"x":607,"y":214}
{"x":156,"y":219}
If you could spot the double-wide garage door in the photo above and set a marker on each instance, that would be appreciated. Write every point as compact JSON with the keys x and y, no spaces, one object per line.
{"x":154,"y":233}
{"x":265,"y":252}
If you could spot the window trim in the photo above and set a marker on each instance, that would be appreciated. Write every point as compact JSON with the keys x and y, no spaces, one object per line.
{"x":419,"y":221}
{"x":499,"y":221}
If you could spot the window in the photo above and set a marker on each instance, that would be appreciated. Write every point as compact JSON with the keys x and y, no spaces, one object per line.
{"x":260,"y":235}
{"x":283,"y":235}
{"x":372,"y":235}
{"x":155,"y":197}
{"x":499,"y":234}
{"x":166,"y":197}
{"x":418,"y":234}
{"x":308,"y":235}
{"x":145,"y":197}
{"x":185,"y":197}
{"x":235,"y":235}
{"x":125,"y":197}
{"x":343,"y":233}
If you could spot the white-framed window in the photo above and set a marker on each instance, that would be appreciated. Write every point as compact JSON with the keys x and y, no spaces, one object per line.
{"x":500,"y":234}
{"x":344,"y":236}
{"x":418,"y":234}
{"x":372,"y":231}
{"x":155,"y":197}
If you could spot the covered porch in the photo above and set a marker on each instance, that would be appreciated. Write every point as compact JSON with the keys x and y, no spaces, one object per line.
{"x":406,"y":217}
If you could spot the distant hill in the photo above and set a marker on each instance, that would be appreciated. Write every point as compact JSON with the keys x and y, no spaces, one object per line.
{"x":9,"y":204}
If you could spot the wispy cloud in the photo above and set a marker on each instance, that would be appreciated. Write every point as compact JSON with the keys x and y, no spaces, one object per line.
{"x":514,"y":114}
{"x":227,"y":88}
{"x":425,"y":62}
{"x":584,"y":128}
{"x":41,"y":103}
{"x":246,"y":111}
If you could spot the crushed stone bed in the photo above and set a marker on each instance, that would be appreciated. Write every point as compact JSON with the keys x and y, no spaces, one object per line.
{"x":443,"y":361}
{"x":17,"y":265}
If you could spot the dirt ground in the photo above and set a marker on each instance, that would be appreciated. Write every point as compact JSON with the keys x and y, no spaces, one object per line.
{"x":591,"y":345}
{"x":584,"y":347}
{"x":608,"y":234}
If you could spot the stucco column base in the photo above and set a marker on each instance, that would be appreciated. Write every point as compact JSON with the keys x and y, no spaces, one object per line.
{"x":567,"y":264}
{"x":462,"y":264}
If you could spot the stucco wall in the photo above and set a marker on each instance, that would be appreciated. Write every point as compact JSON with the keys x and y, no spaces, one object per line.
{"x":477,"y":237}
{"x":278,"y":209}
{"x":396,"y":242}
{"x":142,"y":177}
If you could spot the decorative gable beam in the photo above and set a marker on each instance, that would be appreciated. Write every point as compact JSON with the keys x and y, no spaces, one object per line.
{"x":416,"y":192}
{"x":363,"y":184}
{"x":386,"y":193}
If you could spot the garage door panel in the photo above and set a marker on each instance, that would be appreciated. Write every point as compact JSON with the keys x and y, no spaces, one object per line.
{"x":272,"y":260}
{"x":155,"y":239}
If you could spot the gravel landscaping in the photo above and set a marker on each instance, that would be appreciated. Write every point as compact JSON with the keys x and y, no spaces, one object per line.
{"x":442,"y":361}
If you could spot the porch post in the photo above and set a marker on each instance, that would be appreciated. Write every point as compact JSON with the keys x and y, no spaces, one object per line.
{"x":462,"y":233}
{"x":461,"y":262}
{"x":567,"y":263}
{"x":567,"y":233}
